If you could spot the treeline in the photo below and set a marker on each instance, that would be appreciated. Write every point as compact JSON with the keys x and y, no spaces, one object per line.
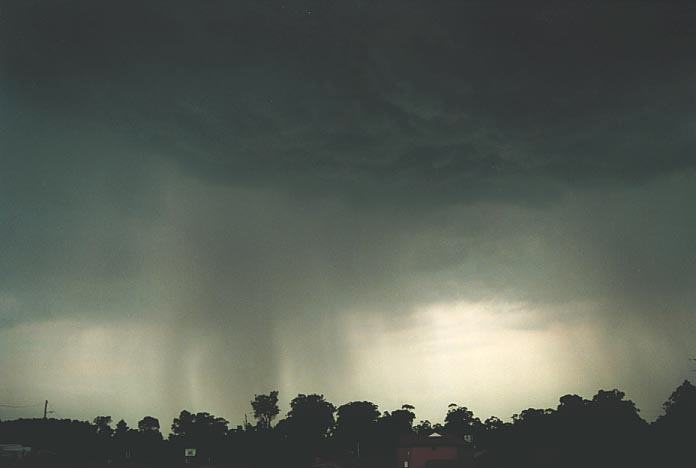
{"x":604,"y":431}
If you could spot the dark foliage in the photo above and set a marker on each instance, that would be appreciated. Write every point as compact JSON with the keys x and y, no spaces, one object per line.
{"x":265,"y":409}
{"x":606,"y":431}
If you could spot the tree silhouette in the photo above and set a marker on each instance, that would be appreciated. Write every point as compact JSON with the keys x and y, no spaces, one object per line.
{"x":676,"y":426}
{"x":146,"y":442}
{"x":490,"y":433}
{"x":265,"y":409}
{"x":123,"y":441}
{"x":355,"y":424}
{"x":605,"y":431}
{"x":493,"y":423}
{"x":613,"y":415}
{"x":202,"y":431}
{"x":149,"y":424}
{"x":199,"y":426}
{"x":311,"y":416}
{"x":121,"y":428}
{"x":402,"y":419}
{"x":104,"y":434}
{"x":306,"y":428}
{"x":571,"y":405}
{"x":103,"y":424}
{"x":460,"y":421}
{"x":423,"y":428}
{"x":680,"y":409}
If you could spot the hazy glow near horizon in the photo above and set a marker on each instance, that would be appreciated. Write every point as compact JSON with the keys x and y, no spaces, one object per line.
{"x":486,"y":355}
{"x":471,"y":353}
{"x":496,"y":358}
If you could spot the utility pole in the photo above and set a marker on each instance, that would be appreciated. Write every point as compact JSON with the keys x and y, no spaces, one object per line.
{"x":45,"y":408}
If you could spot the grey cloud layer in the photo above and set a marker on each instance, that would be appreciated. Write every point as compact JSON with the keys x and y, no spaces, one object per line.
{"x":454,"y":101}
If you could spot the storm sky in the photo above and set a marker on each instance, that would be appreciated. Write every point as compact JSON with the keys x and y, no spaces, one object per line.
{"x":487,"y":203}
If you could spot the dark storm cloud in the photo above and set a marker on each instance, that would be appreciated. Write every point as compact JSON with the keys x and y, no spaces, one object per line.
{"x":456,"y":101}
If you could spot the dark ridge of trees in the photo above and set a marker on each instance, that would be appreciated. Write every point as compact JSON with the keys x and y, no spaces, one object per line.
{"x":675,"y":429}
{"x":605,"y":431}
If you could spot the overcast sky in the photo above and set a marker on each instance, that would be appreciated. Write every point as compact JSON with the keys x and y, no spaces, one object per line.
{"x":487,"y":203}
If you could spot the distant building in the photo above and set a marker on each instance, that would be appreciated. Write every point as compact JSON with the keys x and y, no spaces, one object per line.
{"x":434,"y":451}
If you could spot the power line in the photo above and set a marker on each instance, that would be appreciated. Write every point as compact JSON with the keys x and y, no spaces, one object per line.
{"x":2,"y":405}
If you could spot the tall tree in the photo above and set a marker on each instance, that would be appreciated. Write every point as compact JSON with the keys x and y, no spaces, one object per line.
{"x":311,"y":416}
{"x":265,"y":409}
{"x":104,"y":435}
{"x":397,"y":423}
{"x":403,"y":418}
{"x":355,"y":423}
{"x":460,"y":421}
{"x":148,"y":439}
